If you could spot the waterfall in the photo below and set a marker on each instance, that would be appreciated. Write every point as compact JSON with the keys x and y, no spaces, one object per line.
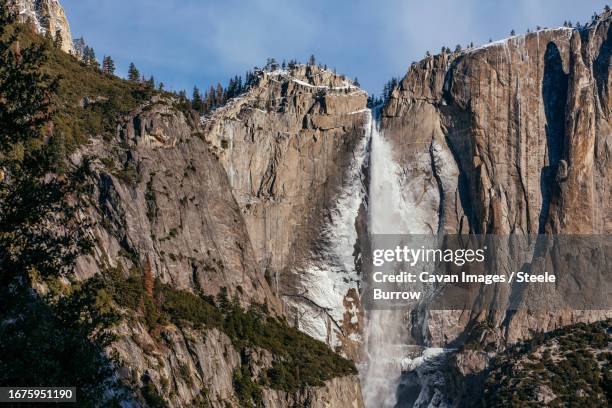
{"x":380,"y":376}
{"x":388,"y":211}
{"x":384,"y":331}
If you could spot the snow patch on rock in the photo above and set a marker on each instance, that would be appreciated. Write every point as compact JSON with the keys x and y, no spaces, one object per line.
{"x":411,"y":364}
{"x":331,"y":273}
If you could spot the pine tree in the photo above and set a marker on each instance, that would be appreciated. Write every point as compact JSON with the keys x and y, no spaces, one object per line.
{"x":231,"y":89}
{"x":312,"y":61}
{"x":161,"y":87}
{"x":89,"y":57}
{"x":211,"y":100}
{"x":219,"y":95}
{"x":250,"y":77}
{"x":356,"y":82}
{"x":388,"y":88}
{"x":108,"y":65}
{"x":206,"y":107}
{"x":133,"y":73}
{"x":86,"y":54}
{"x":512,"y":33}
{"x":196,"y":100}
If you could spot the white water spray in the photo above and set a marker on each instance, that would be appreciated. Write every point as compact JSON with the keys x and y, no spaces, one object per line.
{"x":385,"y":331}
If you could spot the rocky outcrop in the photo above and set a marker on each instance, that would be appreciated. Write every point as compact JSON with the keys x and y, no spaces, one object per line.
{"x":293,"y":147}
{"x":580,"y":202}
{"x":513,"y":116}
{"x":191,"y":367}
{"x":47,"y":16}
{"x":183,"y":365}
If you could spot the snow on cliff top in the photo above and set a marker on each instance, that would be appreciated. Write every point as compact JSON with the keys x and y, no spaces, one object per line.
{"x":507,"y":40}
{"x":287,"y":74}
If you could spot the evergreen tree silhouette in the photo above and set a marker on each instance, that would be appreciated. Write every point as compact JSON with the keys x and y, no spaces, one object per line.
{"x":133,"y":73}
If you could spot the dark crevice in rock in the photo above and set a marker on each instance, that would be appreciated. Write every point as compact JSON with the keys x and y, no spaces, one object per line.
{"x":554,"y":97}
{"x":601,"y":69}
{"x":460,"y":148}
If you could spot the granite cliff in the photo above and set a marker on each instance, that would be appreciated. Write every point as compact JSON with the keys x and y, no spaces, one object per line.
{"x":46,"y":16}
{"x":489,"y":136}
{"x":512,"y":137}
{"x":200,"y":207}
{"x":293,"y":148}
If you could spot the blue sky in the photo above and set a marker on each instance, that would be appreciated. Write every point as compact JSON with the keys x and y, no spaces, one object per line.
{"x":187,"y":42}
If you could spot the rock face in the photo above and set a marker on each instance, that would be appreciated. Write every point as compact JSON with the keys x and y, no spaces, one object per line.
{"x":293,"y":148}
{"x":163,"y":198}
{"x":194,"y":367}
{"x":513,"y":137}
{"x":47,"y":16}
{"x":196,"y":202}
{"x":517,"y":120}
{"x":339,"y":392}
